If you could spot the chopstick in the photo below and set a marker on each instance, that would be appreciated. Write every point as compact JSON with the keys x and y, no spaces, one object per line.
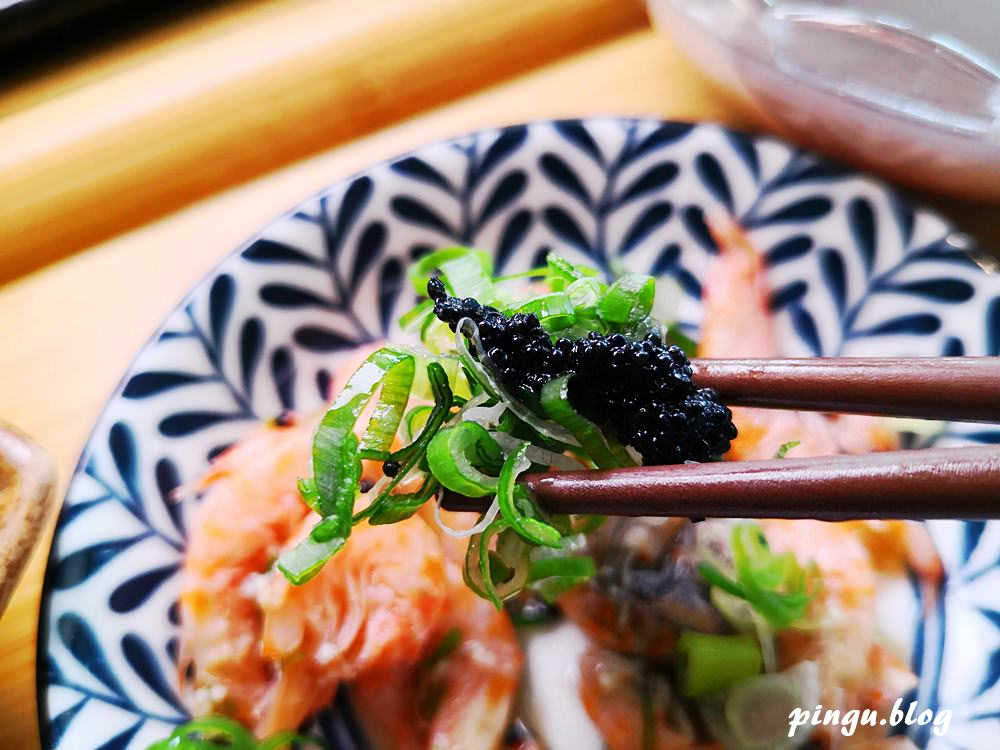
{"x":965,"y":389}
{"x":962,"y":483}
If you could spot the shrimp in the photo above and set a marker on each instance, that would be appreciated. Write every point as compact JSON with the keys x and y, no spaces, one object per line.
{"x":268,"y":653}
{"x":737,"y":324}
{"x":460,"y":694}
{"x":251,"y":509}
{"x":856,"y":670}
{"x":629,"y":706}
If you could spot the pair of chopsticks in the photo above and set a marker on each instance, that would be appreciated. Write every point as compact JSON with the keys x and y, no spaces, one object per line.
{"x":961,"y":482}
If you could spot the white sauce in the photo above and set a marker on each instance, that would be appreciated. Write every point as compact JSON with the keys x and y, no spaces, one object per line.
{"x":896,"y":613}
{"x":551,"y":688}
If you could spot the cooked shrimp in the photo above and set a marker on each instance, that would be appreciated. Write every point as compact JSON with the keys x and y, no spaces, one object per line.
{"x":737,"y":324}
{"x":250,"y":510}
{"x":268,"y":653}
{"x":856,"y":670}
{"x":459,"y":696}
{"x":625,"y":704}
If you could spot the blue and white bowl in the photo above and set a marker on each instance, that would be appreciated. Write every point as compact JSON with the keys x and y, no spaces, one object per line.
{"x":854,"y":269}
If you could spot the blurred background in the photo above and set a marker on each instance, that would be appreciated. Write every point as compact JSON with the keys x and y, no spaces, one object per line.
{"x":142,"y":141}
{"x":115,"y":112}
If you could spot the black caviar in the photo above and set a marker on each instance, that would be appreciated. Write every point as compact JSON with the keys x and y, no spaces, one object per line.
{"x":640,"y":391}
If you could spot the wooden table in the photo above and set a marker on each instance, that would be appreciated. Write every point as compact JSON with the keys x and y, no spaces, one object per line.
{"x":180,"y":145}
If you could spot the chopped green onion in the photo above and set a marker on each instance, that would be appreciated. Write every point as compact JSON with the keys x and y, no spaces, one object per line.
{"x":336,"y":465}
{"x":785,"y":447}
{"x":415,"y":419}
{"x":388,"y":413}
{"x":342,"y":461}
{"x":776,"y":586}
{"x":562,"y":271}
{"x":492,"y":575}
{"x":555,"y":401}
{"x":303,"y":561}
{"x":552,"y":577}
{"x":400,"y":507}
{"x":554,"y":311}
{"x":411,"y":455}
{"x":421,"y":271}
{"x":522,"y":515}
{"x":757,"y":710}
{"x":711,"y":663}
{"x":467,"y":276}
{"x":584,"y":294}
{"x":336,"y":458}
{"x":414,"y":319}
{"x":220,"y":733}
{"x":628,"y":300}
{"x":453,"y":454}
{"x":465,"y":272}
{"x":308,"y":492}
{"x":575,"y":567}
{"x":736,"y":610}
{"x":449,"y":362}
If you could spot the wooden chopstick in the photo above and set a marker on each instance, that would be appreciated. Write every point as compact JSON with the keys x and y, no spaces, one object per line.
{"x":936,"y":483}
{"x":965,"y":389}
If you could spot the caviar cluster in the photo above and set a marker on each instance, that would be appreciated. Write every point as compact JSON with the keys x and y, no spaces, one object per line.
{"x":517,"y":346}
{"x":640,"y":391}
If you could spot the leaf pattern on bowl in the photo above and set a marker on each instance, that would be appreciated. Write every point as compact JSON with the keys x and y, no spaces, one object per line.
{"x":853,"y":270}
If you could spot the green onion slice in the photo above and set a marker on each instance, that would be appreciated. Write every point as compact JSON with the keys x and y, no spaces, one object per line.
{"x":455,"y":452}
{"x":785,"y":447}
{"x":336,"y":466}
{"x":554,"y":311}
{"x":711,"y":663}
{"x":465,"y":272}
{"x":221,"y":733}
{"x":415,"y":419}
{"x":585,"y":293}
{"x":337,"y":463}
{"x":400,"y":507}
{"x":388,"y":413}
{"x":498,"y":573}
{"x":414,"y":319}
{"x":552,"y":577}
{"x":517,"y":507}
{"x":776,"y":586}
{"x":757,"y":710}
{"x":628,"y":300}
{"x":336,"y":456}
{"x":555,"y":401}
{"x":411,"y":455}
{"x":303,"y":561}
{"x":561,"y":271}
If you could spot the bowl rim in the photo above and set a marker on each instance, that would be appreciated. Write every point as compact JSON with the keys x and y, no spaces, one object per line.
{"x":962,"y":241}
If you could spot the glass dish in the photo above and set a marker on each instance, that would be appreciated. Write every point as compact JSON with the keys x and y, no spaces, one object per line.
{"x":906,"y":88}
